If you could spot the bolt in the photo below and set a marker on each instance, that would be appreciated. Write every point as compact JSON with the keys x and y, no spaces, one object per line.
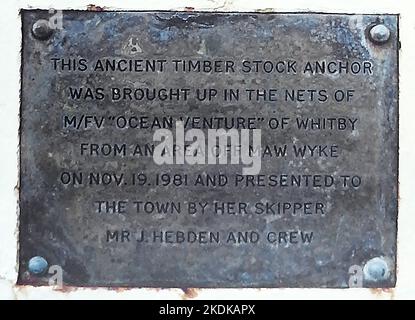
{"x":41,"y":29}
{"x":37,"y":265}
{"x":376,"y":269}
{"x":379,"y":33}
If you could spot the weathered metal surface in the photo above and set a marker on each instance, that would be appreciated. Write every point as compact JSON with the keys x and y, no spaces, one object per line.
{"x":352,"y":227}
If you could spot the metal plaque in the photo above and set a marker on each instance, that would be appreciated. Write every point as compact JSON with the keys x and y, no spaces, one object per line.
{"x":194,"y":149}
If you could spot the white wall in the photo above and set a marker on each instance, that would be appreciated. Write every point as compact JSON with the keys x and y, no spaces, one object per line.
{"x":10,"y":39}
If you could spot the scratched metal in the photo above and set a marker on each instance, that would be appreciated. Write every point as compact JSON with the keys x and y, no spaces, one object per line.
{"x":61,"y":224}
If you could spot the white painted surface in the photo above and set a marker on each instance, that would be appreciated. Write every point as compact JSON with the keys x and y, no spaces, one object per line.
{"x":10,"y":39}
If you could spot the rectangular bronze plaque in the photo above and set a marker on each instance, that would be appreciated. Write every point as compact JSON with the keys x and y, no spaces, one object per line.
{"x":191,"y":149}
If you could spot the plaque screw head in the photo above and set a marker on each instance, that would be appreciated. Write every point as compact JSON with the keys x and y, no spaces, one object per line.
{"x":41,"y":29}
{"x":37,"y":265}
{"x":376,"y":269}
{"x":379,"y":33}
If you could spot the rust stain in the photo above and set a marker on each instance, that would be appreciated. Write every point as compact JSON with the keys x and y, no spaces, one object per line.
{"x":121,"y":289}
{"x":381,"y":292}
{"x":189,"y":9}
{"x":68,"y":289}
{"x":93,"y":7}
{"x":65,"y":289}
{"x":189,"y":293}
{"x":265,"y":10}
